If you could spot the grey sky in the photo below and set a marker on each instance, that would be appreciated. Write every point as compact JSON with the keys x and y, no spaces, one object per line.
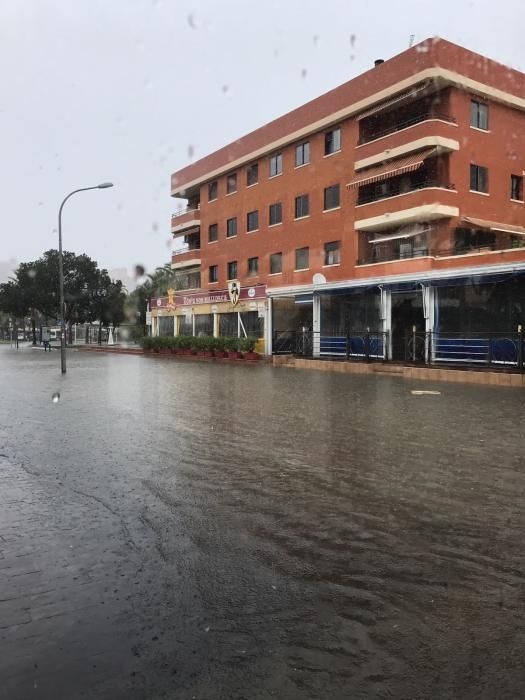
{"x":123,"y":90}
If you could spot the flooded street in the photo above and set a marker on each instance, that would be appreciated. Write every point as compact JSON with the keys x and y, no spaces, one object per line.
{"x":178,"y":529}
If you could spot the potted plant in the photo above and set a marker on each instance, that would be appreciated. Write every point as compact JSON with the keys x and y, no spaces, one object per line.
{"x":248,"y":348}
{"x":165,"y":345}
{"x":156,"y":344}
{"x":219,"y":349}
{"x":175,"y":345}
{"x":232,"y":347}
{"x":147,"y":344}
{"x":208,"y":344}
{"x":185,"y":345}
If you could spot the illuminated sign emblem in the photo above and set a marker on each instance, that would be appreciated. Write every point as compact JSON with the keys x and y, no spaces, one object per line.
{"x":251,"y":292}
{"x":234,"y":290}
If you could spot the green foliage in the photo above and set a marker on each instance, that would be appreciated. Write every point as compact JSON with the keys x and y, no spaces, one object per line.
{"x":247,"y":344}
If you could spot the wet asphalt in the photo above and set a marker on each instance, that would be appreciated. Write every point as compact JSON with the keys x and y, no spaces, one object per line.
{"x":182,"y":529}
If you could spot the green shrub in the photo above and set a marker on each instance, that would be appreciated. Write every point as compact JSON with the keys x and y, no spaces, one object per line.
{"x":231,"y":344}
{"x":248,"y":344}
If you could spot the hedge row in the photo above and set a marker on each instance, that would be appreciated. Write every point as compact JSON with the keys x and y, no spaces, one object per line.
{"x":206,"y":343}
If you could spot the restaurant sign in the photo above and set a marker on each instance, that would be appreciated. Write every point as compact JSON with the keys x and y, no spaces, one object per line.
{"x":195,"y":298}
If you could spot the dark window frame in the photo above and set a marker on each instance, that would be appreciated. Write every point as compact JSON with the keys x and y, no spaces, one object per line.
{"x":332,"y":143}
{"x":277,"y":160}
{"x":213,"y":273}
{"x":252,"y":216}
{"x":251,"y":269}
{"x":272,"y":209}
{"x":233,"y":227}
{"x":302,"y":154}
{"x":330,"y":191}
{"x":231,"y":177}
{"x":302,"y":206}
{"x":298,"y":251}
{"x":479,"y":178}
{"x":328,"y":251}
{"x":213,"y":190}
{"x":274,"y":257}
{"x":252,"y":174}
{"x":479,"y":115}
{"x":516,"y":188}
{"x":215,"y":228}
{"x":231,"y":265}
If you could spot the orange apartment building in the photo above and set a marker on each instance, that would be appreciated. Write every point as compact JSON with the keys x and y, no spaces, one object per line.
{"x":388,"y":210}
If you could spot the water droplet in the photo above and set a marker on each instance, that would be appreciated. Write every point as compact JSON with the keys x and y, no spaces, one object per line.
{"x":206,"y":629}
{"x":352,"y":39}
{"x":315,"y":39}
{"x":56,"y":397}
{"x":31,"y":273}
{"x":304,"y":73}
{"x":225,"y":88}
{"x":140,"y":270}
{"x":155,"y":226}
{"x":191,"y":151}
{"x":191,"y":21}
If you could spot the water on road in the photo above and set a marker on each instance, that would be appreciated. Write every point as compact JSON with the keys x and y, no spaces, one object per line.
{"x":182,"y":529}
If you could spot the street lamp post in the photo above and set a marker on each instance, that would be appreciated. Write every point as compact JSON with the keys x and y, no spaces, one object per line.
{"x":102,"y":186}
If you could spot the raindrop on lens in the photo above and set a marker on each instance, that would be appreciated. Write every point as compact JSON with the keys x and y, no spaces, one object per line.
{"x":56,"y":397}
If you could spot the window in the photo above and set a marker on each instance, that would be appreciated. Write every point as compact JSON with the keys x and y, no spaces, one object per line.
{"x":479,"y":115}
{"x":276,"y":214}
{"x":232,"y":270}
{"x":479,"y":178}
{"x":252,"y":221}
{"x":276,"y":164}
{"x":253,"y":267}
{"x":302,"y":258}
{"x":231,"y":227}
{"x":212,"y":190}
{"x":213,"y":275}
{"x":332,"y":253}
{"x":302,"y":206}
{"x":276,"y":263}
{"x":516,"y":187}
{"x":331,"y":197}
{"x":332,"y":141}
{"x":252,"y":174}
{"x":302,"y":153}
{"x":231,"y":183}
{"x":213,"y":233}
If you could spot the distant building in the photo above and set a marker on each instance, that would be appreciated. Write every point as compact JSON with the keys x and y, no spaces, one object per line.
{"x":390,"y":204}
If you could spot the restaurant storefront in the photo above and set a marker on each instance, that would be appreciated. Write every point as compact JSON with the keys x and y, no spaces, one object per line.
{"x":236,"y":311}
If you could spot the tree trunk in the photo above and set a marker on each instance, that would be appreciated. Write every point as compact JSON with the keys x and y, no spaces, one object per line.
{"x":33,"y":327}
{"x":100,"y":333}
{"x":70,"y":332}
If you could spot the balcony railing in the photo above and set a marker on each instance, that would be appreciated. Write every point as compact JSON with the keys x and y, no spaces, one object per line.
{"x":388,"y":252}
{"x":398,"y":126}
{"x":188,"y":210}
{"x":186,"y":249}
{"x":396,"y":190}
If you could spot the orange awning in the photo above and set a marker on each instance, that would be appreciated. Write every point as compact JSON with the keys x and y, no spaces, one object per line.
{"x":391,"y":169}
{"x":494,"y":225}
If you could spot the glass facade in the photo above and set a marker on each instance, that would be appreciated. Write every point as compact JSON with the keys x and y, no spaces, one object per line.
{"x":352,"y":311}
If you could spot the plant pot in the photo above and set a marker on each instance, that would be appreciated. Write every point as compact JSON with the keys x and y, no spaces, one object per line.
{"x":156,"y":351}
{"x":174,"y":351}
{"x":220,"y":353}
{"x":234,"y":355}
{"x":187,"y":351}
{"x":251,"y":356}
{"x":147,"y":351}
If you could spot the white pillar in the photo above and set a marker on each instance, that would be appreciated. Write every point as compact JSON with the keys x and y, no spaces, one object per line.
{"x":268,"y":322}
{"x":386,"y":317}
{"x":316,"y":324}
{"x":193,"y":323}
{"x":215,"y":325}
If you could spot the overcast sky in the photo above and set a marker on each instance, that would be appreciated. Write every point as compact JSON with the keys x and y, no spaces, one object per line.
{"x":127,"y":90}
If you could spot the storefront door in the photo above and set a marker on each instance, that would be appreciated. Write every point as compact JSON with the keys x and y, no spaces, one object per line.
{"x":407,"y":312}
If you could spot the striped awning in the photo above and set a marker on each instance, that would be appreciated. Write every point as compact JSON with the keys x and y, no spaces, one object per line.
{"x":408,"y":231}
{"x":494,"y":226}
{"x":391,"y":169}
{"x":386,"y":104}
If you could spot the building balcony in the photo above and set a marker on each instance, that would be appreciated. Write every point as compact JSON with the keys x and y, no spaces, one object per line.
{"x":396,"y":126}
{"x":396,"y":190}
{"x":185,"y":220}
{"x":431,"y":134}
{"x":186,"y":256}
{"x":414,"y":206}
